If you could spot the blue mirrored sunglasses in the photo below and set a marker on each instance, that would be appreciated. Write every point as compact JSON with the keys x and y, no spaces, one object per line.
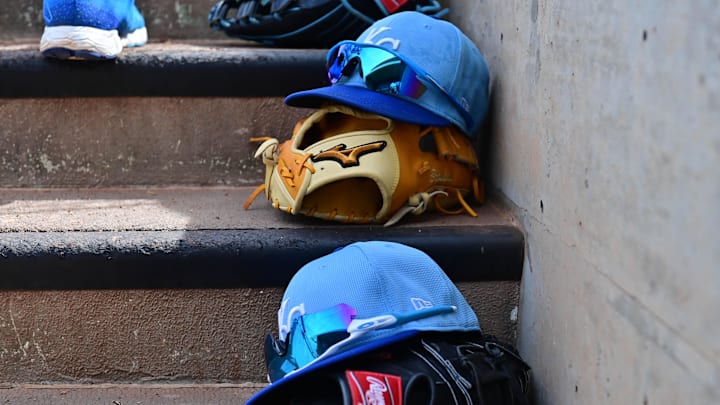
{"x":321,"y":334}
{"x":385,"y":71}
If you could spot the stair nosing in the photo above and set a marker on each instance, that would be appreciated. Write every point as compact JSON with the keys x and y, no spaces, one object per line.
{"x":163,"y":69}
{"x":259,"y":247}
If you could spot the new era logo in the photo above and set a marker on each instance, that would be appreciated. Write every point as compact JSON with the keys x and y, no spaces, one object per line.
{"x":419,"y":303}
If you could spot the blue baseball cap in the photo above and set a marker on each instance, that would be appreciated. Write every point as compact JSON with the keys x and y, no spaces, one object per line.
{"x":441,"y":50}
{"x":395,"y":292}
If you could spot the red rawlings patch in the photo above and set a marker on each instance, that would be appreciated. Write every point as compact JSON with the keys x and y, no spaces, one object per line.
{"x":370,"y":388}
{"x":393,"y":5}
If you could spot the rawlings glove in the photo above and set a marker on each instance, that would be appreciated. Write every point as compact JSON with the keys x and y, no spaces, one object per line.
{"x":307,"y":23}
{"x":436,"y":369}
{"x":350,"y":166}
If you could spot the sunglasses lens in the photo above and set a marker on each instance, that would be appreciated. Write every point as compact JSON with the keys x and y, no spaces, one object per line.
{"x":312,"y":335}
{"x":381,"y":70}
{"x":385,"y":72}
{"x":335,"y":64}
{"x":277,"y":362}
{"x":309,"y":337}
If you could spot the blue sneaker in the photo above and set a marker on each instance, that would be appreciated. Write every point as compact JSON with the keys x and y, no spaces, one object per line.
{"x":91,"y":29}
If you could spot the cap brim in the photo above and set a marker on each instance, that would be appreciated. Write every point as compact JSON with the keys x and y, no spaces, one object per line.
{"x":284,"y":386}
{"x":367,"y":100}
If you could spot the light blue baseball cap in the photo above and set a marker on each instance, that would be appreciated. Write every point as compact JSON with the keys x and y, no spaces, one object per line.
{"x":438,"y":48}
{"x":392,"y":291}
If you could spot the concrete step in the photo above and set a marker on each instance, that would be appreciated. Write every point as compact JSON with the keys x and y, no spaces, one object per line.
{"x":161,"y":237}
{"x":163,"y":68}
{"x":164,"y":114}
{"x":181,"y":284}
{"x":128,"y":394}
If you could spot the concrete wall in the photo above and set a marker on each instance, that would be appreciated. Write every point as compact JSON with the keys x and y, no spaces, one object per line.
{"x":605,"y":136}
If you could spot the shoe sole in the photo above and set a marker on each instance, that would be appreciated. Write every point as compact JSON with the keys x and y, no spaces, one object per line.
{"x":87,"y":43}
{"x":136,"y":38}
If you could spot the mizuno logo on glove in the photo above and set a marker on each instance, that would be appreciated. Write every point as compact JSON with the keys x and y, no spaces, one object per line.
{"x":348,"y":157}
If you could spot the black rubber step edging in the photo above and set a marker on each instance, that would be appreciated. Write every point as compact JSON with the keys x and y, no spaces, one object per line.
{"x":235,"y":258}
{"x":159,"y":70}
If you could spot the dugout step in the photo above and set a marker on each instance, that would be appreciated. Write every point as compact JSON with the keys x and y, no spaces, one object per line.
{"x":202,"y":68}
{"x":131,"y":238}
{"x":146,"y":394}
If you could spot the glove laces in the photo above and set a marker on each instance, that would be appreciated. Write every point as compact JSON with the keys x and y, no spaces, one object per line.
{"x":268,"y":150}
{"x":418,"y":203}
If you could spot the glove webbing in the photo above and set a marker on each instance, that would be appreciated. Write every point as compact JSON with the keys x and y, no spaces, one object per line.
{"x":308,"y":23}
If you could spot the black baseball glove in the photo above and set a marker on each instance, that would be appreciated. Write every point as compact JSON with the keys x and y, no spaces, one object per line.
{"x":435,"y":369}
{"x":307,"y":23}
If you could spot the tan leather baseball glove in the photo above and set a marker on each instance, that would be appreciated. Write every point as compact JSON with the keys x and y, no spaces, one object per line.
{"x":345,"y":165}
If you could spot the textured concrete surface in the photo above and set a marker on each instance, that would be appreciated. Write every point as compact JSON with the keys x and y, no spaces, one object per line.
{"x":128,"y":394}
{"x":105,"y":142}
{"x":123,"y":209}
{"x":145,"y":336}
{"x":176,"y":208}
{"x":135,"y":336}
{"x":605,"y":138}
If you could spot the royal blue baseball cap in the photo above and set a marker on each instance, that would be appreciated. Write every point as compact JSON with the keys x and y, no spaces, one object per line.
{"x":440,"y":49}
{"x":395,"y":292}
